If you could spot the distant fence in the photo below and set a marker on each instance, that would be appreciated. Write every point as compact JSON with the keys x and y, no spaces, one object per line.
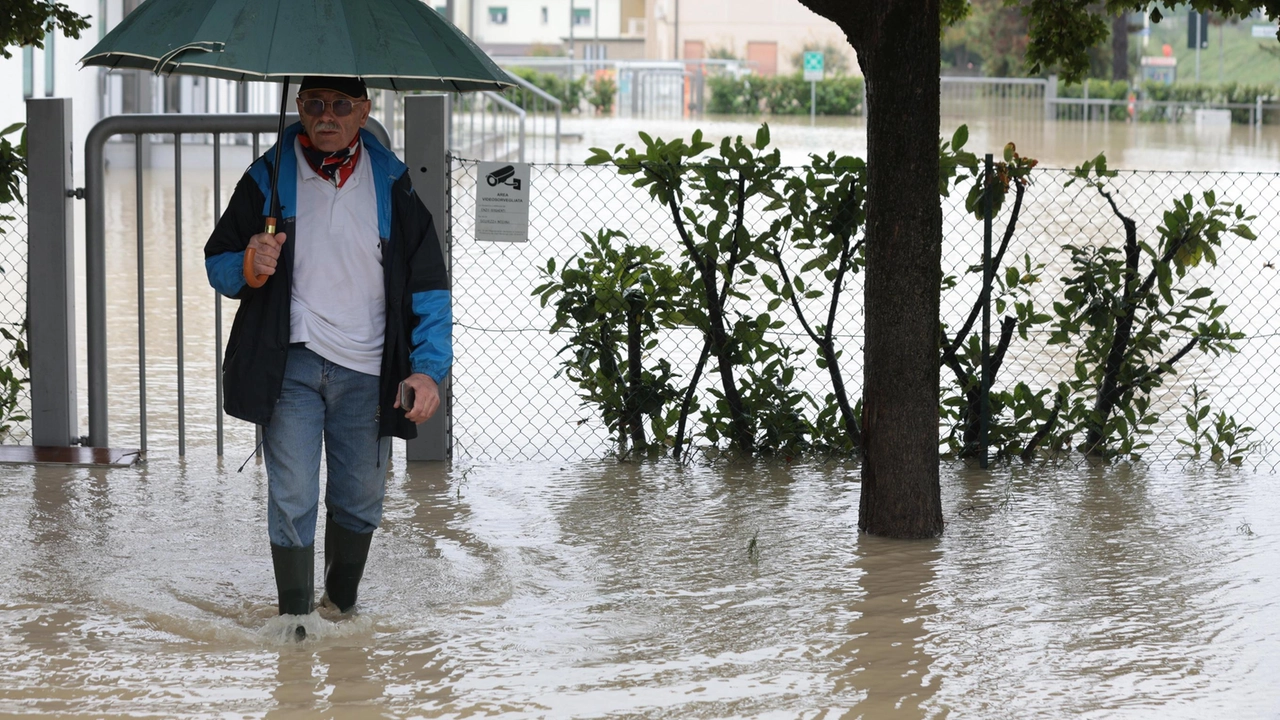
{"x":511,"y":401}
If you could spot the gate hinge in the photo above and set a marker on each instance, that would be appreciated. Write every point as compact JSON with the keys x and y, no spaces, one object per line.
{"x":77,"y":193}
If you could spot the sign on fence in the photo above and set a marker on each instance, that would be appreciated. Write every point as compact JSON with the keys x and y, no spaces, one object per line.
{"x":1264,"y":31}
{"x":502,"y":202}
{"x":813,"y":66}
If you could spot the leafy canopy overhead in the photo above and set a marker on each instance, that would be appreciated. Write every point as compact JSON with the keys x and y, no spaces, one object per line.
{"x":27,"y":22}
{"x":1062,"y":31}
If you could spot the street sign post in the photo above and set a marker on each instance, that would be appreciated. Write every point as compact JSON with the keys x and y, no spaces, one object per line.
{"x":813,"y":72}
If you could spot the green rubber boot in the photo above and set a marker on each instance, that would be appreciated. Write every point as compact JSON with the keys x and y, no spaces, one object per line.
{"x":295,"y":581}
{"x":345,"y":553}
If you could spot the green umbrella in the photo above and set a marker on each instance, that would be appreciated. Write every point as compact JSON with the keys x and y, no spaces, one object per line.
{"x":390,"y":44}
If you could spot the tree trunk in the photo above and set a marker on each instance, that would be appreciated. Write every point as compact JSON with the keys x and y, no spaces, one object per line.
{"x":898,"y":49}
{"x":1120,"y":47}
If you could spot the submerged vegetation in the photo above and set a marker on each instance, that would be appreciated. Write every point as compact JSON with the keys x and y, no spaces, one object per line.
{"x":758,"y":291}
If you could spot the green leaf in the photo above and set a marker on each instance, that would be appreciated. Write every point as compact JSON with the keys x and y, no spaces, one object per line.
{"x":762,"y":137}
{"x":960,"y":137}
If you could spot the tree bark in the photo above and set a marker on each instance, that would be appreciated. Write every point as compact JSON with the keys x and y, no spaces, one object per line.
{"x":897,"y":42}
{"x":1120,"y":47}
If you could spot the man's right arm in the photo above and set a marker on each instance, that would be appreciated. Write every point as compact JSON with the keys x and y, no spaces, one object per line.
{"x":224,"y":252}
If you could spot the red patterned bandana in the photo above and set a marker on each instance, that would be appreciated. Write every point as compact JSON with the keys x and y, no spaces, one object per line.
{"x":334,"y":166}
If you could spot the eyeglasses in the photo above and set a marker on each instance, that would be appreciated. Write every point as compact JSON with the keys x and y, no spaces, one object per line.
{"x":342,"y":107}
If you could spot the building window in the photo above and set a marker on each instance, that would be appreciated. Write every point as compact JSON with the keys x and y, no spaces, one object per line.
{"x":49,"y":69}
{"x":544,"y":15}
{"x":582,"y":16}
{"x":28,"y":71}
{"x":498,"y":15}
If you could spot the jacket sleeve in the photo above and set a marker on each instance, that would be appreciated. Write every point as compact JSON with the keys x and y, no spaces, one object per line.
{"x":224,"y":252}
{"x":431,"y":346}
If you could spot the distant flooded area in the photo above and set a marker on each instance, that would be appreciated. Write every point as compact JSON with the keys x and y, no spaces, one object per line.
{"x":1062,"y":143}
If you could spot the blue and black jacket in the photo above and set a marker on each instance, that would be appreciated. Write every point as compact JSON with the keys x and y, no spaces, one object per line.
{"x":419,"y":316}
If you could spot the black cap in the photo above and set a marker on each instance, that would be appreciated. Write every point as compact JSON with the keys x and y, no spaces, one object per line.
{"x":349,"y":86}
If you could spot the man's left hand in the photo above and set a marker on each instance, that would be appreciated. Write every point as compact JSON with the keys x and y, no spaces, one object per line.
{"x":426,"y":398}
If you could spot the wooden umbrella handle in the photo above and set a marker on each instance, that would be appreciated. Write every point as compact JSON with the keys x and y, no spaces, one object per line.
{"x":252,"y":279}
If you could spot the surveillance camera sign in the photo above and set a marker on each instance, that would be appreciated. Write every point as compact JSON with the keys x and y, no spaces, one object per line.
{"x":502,"y":202}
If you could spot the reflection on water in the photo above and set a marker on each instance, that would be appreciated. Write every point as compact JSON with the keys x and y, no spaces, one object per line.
{"x":599,"y":589}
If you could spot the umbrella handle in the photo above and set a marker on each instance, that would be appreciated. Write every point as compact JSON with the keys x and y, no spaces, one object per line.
{"x":252,"y":279}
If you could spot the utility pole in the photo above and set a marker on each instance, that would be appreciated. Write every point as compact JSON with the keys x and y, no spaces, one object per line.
{"x":571,"y":58}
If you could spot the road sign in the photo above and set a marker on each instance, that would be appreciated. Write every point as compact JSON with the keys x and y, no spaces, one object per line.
{"x":813,"y":66}
{"x":1264,"y":31}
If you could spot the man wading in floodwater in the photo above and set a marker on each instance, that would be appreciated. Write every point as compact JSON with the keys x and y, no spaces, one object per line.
{"x":349,"y":299}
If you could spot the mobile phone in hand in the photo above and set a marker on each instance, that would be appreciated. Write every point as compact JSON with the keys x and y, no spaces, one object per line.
{"x":406,"y":396}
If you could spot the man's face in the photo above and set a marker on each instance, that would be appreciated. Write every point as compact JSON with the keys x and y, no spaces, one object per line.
{"x":327,"y":131}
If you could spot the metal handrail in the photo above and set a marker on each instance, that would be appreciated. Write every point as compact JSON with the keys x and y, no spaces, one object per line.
{"x":95,"y":236}
{"x":547,"y":97}
{"x":511,"y":107}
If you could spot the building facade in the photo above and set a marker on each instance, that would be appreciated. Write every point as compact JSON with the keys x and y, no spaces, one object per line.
{"x":769,"y":34}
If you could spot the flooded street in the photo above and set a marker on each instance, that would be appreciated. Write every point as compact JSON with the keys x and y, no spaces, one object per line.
{"x":596,"y":589}
{"x":586,"y":588}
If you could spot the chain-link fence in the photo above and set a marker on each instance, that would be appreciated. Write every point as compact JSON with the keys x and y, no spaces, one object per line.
{"x":15,"y":392}
{"x":513,"y":400}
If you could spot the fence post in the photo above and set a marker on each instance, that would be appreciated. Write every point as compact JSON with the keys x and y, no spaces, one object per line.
{"x":986,"y":312}
{"x":426,"y":119}
{"x":51,"y":334}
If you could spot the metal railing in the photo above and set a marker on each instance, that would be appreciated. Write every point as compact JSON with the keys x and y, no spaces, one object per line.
{"x":1015,"y":98}
{"x":524,"y":123}
{"x":138,"y":126}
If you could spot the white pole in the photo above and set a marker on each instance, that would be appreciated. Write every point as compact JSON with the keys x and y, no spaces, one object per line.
{"x":813,"y":102}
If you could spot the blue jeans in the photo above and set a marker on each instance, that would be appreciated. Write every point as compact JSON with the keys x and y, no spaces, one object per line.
{"x":321,"y":399}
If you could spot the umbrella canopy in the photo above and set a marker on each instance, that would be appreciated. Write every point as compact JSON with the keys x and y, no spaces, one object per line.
{"x":391,"y":44}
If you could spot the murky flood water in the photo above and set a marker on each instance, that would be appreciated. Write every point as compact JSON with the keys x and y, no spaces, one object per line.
{"x":608,"y":590}
{"x":1064,"y":144}
{"x":598,"y":589}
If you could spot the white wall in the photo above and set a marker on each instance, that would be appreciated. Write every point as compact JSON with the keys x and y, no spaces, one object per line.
{"x":525,"y":26}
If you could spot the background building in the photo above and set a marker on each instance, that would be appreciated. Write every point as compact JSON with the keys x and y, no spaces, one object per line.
{"x":767,"y":33}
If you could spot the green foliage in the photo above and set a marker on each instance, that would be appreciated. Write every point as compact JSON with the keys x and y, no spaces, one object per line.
{"x":991,"y":38}
{"x":1192,"y":94}
{"x":603,"y":90}
{"x":28,"y":22}
{"x":1061,"y":33}
{"x":569,"y":92}
{"x":1218,"y":438}
{"x":13,"y":164}
{"x":14,"y":375}
{"x":1016,"y":413}
{"x":1133,"y":324}
{"x":614,"y":300}
{"x":813,"y":245}
{"x":13,"y":168}
{"x":707,"y":196}
{"x":783,"y":95}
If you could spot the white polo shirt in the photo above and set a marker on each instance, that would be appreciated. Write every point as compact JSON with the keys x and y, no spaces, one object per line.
{"x":339,"y":302}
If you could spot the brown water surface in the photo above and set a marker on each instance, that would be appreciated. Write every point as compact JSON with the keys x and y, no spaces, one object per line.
{"x":598,"y":589}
